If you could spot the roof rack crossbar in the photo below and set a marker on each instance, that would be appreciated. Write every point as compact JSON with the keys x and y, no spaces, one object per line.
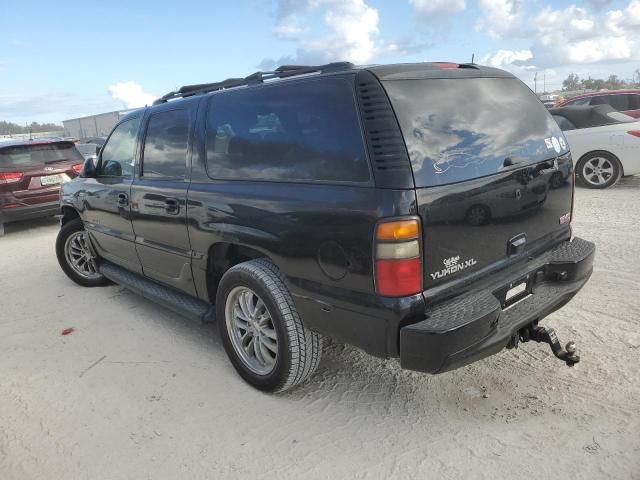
{"x":283,"y":71}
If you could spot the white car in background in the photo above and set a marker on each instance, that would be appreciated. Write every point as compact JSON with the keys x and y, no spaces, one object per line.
{"x":605,"y":144}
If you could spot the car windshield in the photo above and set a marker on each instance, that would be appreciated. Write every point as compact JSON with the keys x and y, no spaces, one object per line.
{"x":34,"y":155}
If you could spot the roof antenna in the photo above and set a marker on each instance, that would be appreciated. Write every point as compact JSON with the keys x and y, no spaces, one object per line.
{"x":472,"y":57}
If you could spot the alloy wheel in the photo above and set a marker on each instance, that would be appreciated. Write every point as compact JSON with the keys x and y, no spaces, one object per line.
{"x":597,"y":171}
{"x":80,"y":257}
{"x":251,"y":330}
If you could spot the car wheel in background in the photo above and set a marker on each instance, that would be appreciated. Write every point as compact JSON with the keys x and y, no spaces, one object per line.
{"x":76,"y":257}
{"x":260,"y":328}
{"x":598,"y":170}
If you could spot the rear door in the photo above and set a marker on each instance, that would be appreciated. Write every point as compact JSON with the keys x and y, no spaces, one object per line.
{"x":159,"y":194}
{"x":492,"y":170}
{"x":106,"y":198}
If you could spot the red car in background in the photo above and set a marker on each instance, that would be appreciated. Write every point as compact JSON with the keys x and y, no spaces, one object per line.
{"x":31,"y":173}
{"x":625,"y":101}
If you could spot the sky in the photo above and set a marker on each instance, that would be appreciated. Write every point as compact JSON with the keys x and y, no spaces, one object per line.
{"x":61,"y":60}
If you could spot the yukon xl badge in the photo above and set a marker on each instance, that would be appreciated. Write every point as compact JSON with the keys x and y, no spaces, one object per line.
{"x":453,"y":265}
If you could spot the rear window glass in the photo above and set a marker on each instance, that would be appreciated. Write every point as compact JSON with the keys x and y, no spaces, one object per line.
{"x":306,"y":131}
{"x":38,"y":154}
{"x":460,"y":129}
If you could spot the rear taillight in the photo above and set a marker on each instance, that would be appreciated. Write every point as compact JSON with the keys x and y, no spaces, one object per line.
{"x":11,"y":177}
{"x":635,"y":133}
{"x":398,"y":258}
{"x":77,"y":167}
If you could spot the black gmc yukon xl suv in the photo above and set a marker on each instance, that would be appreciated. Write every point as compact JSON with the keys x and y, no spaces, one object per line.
{"x":419,"y":211}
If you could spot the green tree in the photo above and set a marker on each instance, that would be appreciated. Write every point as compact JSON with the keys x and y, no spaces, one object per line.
{"x":572,"y":82}
{"x":9,"y":128}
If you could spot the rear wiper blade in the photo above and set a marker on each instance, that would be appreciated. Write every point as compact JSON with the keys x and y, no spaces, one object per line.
{"x":510,"y":162}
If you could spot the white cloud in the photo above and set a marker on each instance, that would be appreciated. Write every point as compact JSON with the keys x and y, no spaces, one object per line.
{"x":52,"y":106}
{"x":598,"y":4}
{"x":437,"y":8}
{"x":506,"y":59}
{"x":500,"y":17}
{"x":574,"y":36}
{"x":568,"y":37}
{"x":350,"y":30}
{"x":130,"y":94}
{"x":622,"y":22}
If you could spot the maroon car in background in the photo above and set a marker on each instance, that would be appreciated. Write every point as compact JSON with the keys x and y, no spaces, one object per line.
{"x":625,"y":101}
{"x":31,"y":173}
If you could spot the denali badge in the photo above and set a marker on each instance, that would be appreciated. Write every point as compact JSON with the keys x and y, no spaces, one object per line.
{"x":566,"y":218}
{"x":452,"y":265}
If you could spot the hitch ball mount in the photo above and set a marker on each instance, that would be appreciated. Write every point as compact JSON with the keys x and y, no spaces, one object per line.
{"x":536,"y":333}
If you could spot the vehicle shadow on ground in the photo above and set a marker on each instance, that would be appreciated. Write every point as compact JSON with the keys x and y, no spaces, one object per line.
{"x":506,"y":388}
{"x":26,"y":225}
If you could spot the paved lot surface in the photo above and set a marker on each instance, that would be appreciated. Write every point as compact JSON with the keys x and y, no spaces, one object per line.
{"x":136,"y":392}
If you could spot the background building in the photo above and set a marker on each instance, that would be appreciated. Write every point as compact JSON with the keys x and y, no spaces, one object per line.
{"x":94,"y":125}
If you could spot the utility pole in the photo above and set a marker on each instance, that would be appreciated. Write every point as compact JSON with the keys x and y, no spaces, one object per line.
{"x":535,"y":83}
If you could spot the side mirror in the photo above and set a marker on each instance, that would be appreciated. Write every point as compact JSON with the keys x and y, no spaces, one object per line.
{"x":111,"y":168}
{"x":89,"y":168}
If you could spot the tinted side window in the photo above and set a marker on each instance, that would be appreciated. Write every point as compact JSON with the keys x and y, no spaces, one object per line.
{"x":634,"y":101}
{"x":579,"y":101}
{"x":118,"y":154}
{"x":165,"y":145}
{"x":564,"y":123}
{"x":619,"y":102}
{"x":297,"y":131}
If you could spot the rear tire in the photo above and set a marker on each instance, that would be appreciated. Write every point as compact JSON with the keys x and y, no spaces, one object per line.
{"x":598,"y":170}
{"x":261,"y":330}
{"x":75,"y":256}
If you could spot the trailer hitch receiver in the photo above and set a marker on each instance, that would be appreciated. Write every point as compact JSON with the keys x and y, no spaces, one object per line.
{"x":536,"y":333}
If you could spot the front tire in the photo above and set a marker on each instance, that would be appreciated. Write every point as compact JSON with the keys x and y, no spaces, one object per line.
{"x":598,"y":170}
{"x":261,"y":330}
{"x":76,"y":257}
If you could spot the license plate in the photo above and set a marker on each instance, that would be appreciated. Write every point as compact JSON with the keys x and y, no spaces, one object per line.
{"x":50,"y":180}
{"x":516,"y":291}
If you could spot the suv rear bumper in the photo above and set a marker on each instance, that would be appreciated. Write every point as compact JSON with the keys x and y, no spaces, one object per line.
{"x":469,"y":327}
{"x":27,"y":212}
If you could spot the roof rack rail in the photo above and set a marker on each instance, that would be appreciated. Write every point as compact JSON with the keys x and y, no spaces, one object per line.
{"x":284,"y":71}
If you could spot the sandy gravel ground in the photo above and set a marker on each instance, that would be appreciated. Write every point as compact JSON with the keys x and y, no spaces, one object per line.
{"x":136,"y":392}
